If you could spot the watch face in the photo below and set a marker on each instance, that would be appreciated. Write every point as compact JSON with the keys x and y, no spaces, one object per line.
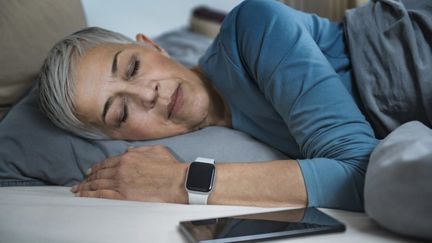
{"x":200,"y":177}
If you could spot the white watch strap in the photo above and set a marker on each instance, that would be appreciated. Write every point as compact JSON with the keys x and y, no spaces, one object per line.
{"x":197,"y":197}
{"x":204,"y":160}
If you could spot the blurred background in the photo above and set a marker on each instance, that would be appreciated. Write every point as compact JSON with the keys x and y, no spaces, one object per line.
{"x":149,"y":17}
{"x":156,"y":17}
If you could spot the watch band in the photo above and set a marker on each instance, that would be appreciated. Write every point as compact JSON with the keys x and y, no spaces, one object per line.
{"x":205,"y":160}
{"x":197,"y":197}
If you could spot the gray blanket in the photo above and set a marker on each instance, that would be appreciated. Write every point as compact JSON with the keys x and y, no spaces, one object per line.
{"x":390,"y":43}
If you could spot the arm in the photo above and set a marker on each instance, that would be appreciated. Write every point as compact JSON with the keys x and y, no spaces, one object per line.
{"x":268,"y":184}
{"x":283,"y":52}
{"x":153,"y":174}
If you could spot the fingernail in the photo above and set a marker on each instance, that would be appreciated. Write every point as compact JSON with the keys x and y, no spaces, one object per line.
{"x":130,"y":148}
{"x":77,"y":194}
{"x":74,"y":188}
{"x":88,"y":172}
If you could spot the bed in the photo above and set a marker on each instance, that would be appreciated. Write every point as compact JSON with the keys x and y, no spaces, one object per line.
{"x":35,"y":156}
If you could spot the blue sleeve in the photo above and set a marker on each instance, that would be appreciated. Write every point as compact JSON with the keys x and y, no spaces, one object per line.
{"x":279,"y":52}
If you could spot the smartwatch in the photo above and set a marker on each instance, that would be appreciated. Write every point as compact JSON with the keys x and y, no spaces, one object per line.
{"x":200,"y":180}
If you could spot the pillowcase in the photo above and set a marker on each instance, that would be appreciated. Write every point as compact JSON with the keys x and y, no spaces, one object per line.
{"x":35,"y":152}
{"x":398,"y":189}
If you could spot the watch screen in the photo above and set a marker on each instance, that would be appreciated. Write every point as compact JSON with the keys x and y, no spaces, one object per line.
{"x":200,"y":177}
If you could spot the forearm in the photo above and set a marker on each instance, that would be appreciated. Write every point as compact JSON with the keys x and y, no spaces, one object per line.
{"x":268,"y":184}
{"x":152,"y":174}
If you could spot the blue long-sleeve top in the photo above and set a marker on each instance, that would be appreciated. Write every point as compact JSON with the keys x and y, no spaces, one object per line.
{"x":286,"y":84}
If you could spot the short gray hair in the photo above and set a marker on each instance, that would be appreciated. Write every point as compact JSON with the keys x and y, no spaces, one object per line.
{"x":56,"y":78}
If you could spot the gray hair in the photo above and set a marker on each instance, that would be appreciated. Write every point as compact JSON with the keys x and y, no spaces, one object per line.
{"x":56,"y":78}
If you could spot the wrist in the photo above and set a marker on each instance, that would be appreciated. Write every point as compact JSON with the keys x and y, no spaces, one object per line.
{"x":180,"y":191}
{"x":200,"y":180}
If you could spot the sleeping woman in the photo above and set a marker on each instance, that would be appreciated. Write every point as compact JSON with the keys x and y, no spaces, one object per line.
{"x":280,"y":75}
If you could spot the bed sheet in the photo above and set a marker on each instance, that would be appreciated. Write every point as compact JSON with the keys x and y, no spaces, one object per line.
{"x":52,"y":214}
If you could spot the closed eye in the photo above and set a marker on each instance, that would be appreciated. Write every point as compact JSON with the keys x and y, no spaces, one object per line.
{"x":133,"y":67}
{"x":123,"y":115}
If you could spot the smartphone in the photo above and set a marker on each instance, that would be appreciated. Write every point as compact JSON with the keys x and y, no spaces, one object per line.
{"x":261,"y":226}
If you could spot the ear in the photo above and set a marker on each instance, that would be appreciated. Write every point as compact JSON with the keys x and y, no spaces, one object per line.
{"x":144,"y":39}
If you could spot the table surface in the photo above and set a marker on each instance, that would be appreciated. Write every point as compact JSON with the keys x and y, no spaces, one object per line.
{"x":53,"y":214}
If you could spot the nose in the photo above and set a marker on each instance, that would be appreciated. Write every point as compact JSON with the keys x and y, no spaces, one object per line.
{"x":145,"y":94}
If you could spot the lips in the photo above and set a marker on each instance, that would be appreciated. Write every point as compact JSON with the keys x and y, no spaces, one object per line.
{"x":175,"y":102}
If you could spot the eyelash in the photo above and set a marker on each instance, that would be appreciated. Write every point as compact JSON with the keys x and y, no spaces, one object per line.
{"x":133,"y":67}
{"x":124,"y":112}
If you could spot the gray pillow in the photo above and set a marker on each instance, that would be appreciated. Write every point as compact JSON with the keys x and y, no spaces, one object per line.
{"x":398,"y":189}
{"x":35,"y":152}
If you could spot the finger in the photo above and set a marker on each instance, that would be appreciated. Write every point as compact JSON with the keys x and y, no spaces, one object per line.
{"x":110,"y":194}
{"x":97,"y":185}
{"x":107,"y":163}
{"x":105,"y":173}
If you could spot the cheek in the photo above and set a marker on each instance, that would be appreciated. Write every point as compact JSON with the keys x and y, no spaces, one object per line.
{"x":145,"y":124}
{"x":139,"y":122}
{"x":160,"y":65}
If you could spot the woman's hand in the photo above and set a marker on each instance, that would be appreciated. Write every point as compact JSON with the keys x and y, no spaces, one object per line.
{"x":149,"y":173}
{"x":152,"y":174}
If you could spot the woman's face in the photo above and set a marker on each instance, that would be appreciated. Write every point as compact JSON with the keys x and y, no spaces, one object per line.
{"x":135,"y":92}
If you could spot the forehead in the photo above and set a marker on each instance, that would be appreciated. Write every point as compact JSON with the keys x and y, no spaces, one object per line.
{"x":99,"y":55}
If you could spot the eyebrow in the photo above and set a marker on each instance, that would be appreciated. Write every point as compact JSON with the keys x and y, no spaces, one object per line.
{"x":114,"y":64}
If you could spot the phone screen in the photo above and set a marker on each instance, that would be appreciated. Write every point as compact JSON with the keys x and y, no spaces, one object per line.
{"x":278,"y":224}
